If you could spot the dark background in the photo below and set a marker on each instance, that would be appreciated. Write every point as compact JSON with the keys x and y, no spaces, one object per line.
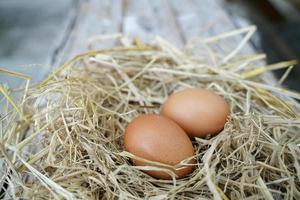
{"x":278,"y":35}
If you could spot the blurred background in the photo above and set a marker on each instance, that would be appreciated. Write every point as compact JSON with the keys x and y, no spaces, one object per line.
{"x":278,"y":35}
{"x":32,"y":30}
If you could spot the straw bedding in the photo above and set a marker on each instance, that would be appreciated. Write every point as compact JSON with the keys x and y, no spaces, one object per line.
{"x":64,"y":138}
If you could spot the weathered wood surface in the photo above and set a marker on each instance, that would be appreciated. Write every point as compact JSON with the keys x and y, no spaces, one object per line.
{"x":176,"y":20}
{"x":90,"y":18}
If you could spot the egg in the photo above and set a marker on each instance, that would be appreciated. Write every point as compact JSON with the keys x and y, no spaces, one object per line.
{"x":199,"y":112}
{"x":159,"y":139}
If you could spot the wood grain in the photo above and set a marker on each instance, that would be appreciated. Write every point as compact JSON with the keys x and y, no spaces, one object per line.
{"x":176,"y":20}
{"x":93,"y":17}
{"x":146,"y":19}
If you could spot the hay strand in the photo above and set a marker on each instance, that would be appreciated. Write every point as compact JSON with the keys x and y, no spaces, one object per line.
{"x":71,"y":145}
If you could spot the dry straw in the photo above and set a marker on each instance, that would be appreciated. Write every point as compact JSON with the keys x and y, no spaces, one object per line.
{"x":64,"y":138}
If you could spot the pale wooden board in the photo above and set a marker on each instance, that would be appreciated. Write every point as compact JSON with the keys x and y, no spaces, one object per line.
{"x":146,"y":19}
{"x":93,"y":17}
{"x":205,"y":18}
{"x":176,"y":20}
{"x":201,"y":17}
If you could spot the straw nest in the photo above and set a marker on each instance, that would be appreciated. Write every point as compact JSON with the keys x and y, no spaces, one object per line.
{"x":63,"y":139}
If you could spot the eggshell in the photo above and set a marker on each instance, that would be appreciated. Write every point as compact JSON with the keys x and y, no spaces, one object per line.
{"x":159,"y":139}
{"x":199,"y":112}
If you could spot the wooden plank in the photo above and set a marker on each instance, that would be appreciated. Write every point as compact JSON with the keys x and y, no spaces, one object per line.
{"x":204,"y":18}
{"x":201,"y":18}
{"x":93,"y":17}
{"x":146,"y":19}
{"x":207,"y":18}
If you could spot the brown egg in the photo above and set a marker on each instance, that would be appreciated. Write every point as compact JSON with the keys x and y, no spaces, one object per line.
{"x":199,"y":112}
{"x":159,"y":139}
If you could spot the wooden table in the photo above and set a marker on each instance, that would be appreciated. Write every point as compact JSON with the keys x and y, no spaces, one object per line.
{"x":176,"y":20}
